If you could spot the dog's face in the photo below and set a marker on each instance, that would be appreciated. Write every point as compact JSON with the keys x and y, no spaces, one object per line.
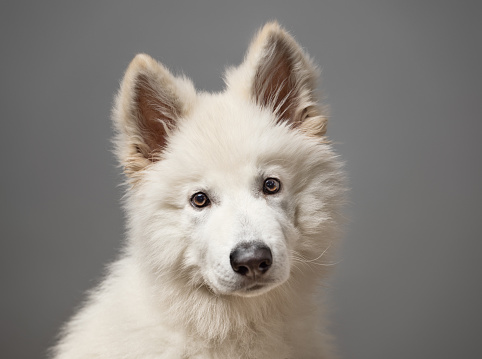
{"x":229,"y":191}
{"x":233,"y":186}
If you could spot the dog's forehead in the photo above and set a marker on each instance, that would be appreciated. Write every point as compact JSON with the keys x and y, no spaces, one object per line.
{"x":228,"y":133}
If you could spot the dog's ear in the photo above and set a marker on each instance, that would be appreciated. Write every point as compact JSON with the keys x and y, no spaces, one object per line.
{"x":147,"y":107}
{"x":279,"y":75}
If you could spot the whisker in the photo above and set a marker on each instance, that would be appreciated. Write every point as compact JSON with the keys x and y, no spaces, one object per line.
{"x":299,"y":258}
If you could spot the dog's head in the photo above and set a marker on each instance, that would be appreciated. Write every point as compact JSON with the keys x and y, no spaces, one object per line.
{"x":233,"y":191}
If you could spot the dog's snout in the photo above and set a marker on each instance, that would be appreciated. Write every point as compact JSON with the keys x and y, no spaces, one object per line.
{"x":251,"y":259}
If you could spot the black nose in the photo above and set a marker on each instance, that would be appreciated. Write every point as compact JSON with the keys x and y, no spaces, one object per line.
{"x":251,"y":259}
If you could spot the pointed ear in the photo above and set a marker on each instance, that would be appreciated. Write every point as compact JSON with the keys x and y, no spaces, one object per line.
{"x":147,"y":108}
{"x":279,"y":75}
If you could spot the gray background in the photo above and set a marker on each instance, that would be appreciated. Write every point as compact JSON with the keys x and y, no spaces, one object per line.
{"x":403,"y":80}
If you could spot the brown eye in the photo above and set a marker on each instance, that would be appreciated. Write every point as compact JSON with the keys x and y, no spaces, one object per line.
{"x":200,"y":200}
{"x":271,"y":186}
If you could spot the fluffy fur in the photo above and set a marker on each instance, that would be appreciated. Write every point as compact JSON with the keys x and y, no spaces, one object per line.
{"x":173,"y":292}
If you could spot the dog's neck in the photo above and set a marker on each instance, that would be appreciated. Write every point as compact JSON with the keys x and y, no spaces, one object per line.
{"x":212,"y":318}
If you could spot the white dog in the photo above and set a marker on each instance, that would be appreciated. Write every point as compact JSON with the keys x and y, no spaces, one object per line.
{"x":233,"y":208}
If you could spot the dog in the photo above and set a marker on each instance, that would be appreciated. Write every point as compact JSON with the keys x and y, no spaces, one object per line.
{"x":233,"y":214}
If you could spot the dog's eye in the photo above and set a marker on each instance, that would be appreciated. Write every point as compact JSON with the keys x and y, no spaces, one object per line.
{"x":271,"y":186}
{"x":200,"y":200}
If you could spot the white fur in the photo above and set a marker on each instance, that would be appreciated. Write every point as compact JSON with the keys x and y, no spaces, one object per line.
{"x":173,"y":293}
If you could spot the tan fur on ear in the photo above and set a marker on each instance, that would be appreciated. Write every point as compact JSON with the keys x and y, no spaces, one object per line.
{"x":149,"y":103}
{"x":279,"y":75}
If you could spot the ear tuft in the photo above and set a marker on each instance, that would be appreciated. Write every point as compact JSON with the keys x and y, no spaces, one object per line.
{"x":277,"y":74}
{"x":148,"y":106}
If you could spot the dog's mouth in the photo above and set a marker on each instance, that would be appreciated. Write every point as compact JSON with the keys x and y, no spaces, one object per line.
{"x":254,"y":289}
{"x":247,"y":288}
